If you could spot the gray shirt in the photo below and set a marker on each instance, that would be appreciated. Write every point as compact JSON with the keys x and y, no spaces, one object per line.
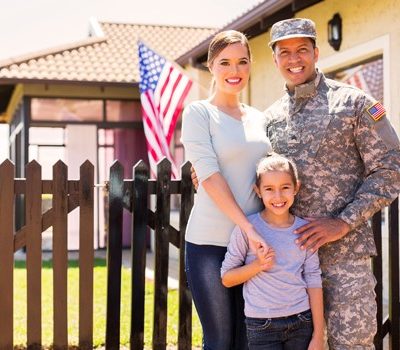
{"x":216,"y":142}
{"x":281,"y":291}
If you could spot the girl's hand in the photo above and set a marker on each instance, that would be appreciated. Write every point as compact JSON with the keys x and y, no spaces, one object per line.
{"x":265,"y":258}
{"x":316,"y":343}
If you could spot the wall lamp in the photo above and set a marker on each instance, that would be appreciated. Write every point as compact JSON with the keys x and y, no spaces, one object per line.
{"x":335,"y":31}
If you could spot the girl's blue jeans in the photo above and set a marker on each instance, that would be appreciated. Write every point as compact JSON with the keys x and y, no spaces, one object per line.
{"x":282,"y":333}
{"x":220,"y":309}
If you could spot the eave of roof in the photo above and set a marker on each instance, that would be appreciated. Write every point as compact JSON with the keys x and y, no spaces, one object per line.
{"x":254,"y":22}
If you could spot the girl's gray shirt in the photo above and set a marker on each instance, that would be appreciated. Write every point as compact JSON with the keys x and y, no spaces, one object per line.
{"x":216,"y":142}
{"x":281,"y":291}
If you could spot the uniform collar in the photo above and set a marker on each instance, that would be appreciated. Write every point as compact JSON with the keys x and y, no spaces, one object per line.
{"x":306,"y":90}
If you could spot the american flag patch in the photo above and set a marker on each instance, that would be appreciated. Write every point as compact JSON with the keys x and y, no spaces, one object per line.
{"x":376,"y":111}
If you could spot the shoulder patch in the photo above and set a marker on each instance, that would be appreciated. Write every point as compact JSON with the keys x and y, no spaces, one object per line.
{"x":376,"y":111}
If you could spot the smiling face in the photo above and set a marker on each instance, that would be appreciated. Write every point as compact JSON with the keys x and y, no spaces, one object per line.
{"x":277,"y":191}
{"x":231,"y":69}
{"x":295,"y":58}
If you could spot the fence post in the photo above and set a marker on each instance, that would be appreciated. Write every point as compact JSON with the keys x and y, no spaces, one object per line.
{"x":114,"y":256}
{"x":377,"y":270}
{"x":185,"y":297}
{"x":138,"y":249}
{"x":161,"y":254}
{"x":6,"y":254}
{"x":394,"y":312}
{"x":60,"y":255}
{"x":33,"y":221}
{"x":86,"y":255}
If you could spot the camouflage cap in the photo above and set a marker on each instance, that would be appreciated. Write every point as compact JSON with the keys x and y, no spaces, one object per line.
{"x":292,"y":28}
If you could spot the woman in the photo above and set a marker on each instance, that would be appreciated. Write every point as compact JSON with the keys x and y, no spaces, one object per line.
{"x":223,"y":139}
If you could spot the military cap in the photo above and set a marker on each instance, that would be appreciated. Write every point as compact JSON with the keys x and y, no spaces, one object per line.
{"x":292,"y":28}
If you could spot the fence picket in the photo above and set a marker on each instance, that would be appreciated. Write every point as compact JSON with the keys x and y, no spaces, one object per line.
{"x":114,"y":256}
{"x":377,"y":269}
{"x":33,"y":216}
{"x":6,"y":254}
{"x":60,"y":254}
{"x":138,"y":248}
{"x":161,"y":255}
{"x":185,"y":297}
{"x":394,"y":298}
{"x":86,"y":255}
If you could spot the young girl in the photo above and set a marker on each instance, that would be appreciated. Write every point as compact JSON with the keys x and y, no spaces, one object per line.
{"x":282,"y":283}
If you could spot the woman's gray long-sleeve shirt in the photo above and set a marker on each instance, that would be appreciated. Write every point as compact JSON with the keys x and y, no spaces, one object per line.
{"x":281,"y":291}
{"x":216,"y":142}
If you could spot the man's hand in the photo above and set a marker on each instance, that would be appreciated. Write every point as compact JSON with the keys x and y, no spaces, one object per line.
{"x":195,"y":181}
{"x":321,"y":231}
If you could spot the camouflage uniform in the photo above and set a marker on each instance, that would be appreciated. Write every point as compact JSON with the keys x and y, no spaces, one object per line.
{"x":349,"y":166}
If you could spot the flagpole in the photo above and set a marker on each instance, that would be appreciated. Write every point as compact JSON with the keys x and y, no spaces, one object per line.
{"x":180,"y":68}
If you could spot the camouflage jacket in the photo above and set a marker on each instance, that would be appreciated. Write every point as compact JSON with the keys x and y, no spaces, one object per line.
{"x":347,"y":154}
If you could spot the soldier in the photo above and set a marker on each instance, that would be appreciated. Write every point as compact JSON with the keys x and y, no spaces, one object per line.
{"x":348,"y":158}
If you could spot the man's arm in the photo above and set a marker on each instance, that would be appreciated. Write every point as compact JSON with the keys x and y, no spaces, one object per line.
{"x":379,"y":150}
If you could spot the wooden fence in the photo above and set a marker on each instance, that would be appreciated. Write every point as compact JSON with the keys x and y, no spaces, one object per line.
{"x":66,"y":196}
{"x":131,"y":195}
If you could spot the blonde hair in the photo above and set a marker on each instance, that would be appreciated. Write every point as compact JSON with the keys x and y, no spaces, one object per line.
{"x":276,"y":162}
{"x":220,"y":42}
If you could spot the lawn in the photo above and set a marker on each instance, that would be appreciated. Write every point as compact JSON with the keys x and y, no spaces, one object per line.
{"x":99,"y":321}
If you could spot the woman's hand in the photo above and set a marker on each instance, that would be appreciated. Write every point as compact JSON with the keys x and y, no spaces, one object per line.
{"x":255,"y":240}
{"x":265,"y":258}
{"x":195,"y":180}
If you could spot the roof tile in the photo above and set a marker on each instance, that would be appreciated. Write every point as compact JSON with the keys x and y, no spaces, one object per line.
{"x":112,"y":58}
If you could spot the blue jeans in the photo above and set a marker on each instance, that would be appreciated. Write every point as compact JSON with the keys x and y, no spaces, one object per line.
{"x":220,"y":309}
{"x":282,"y":333}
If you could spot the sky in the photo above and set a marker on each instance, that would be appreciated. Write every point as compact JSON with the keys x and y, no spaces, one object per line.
{"x":30,"y":25}
{"x":27,"y":26}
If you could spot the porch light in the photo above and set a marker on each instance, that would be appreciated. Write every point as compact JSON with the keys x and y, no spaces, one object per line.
{"x":335,"y":31}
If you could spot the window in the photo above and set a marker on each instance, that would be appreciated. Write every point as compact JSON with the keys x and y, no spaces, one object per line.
{"x":59,"y":109}
{"x":368,"y":76}
{"x":123,"y":111}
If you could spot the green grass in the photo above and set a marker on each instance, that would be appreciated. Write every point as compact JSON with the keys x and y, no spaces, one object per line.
{"x":99,"y":308}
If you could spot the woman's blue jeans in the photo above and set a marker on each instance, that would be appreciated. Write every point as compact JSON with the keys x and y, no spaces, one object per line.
{"x":220,"y":309}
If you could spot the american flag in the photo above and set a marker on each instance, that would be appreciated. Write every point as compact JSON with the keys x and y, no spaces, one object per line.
{"x":367,"y":77}
{"x":163,"y":89}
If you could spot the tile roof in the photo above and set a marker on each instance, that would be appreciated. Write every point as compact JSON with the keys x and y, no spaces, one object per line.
{"x":110,"y":58}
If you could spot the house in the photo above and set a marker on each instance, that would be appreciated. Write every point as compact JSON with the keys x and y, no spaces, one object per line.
{"x":81,"y":101}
